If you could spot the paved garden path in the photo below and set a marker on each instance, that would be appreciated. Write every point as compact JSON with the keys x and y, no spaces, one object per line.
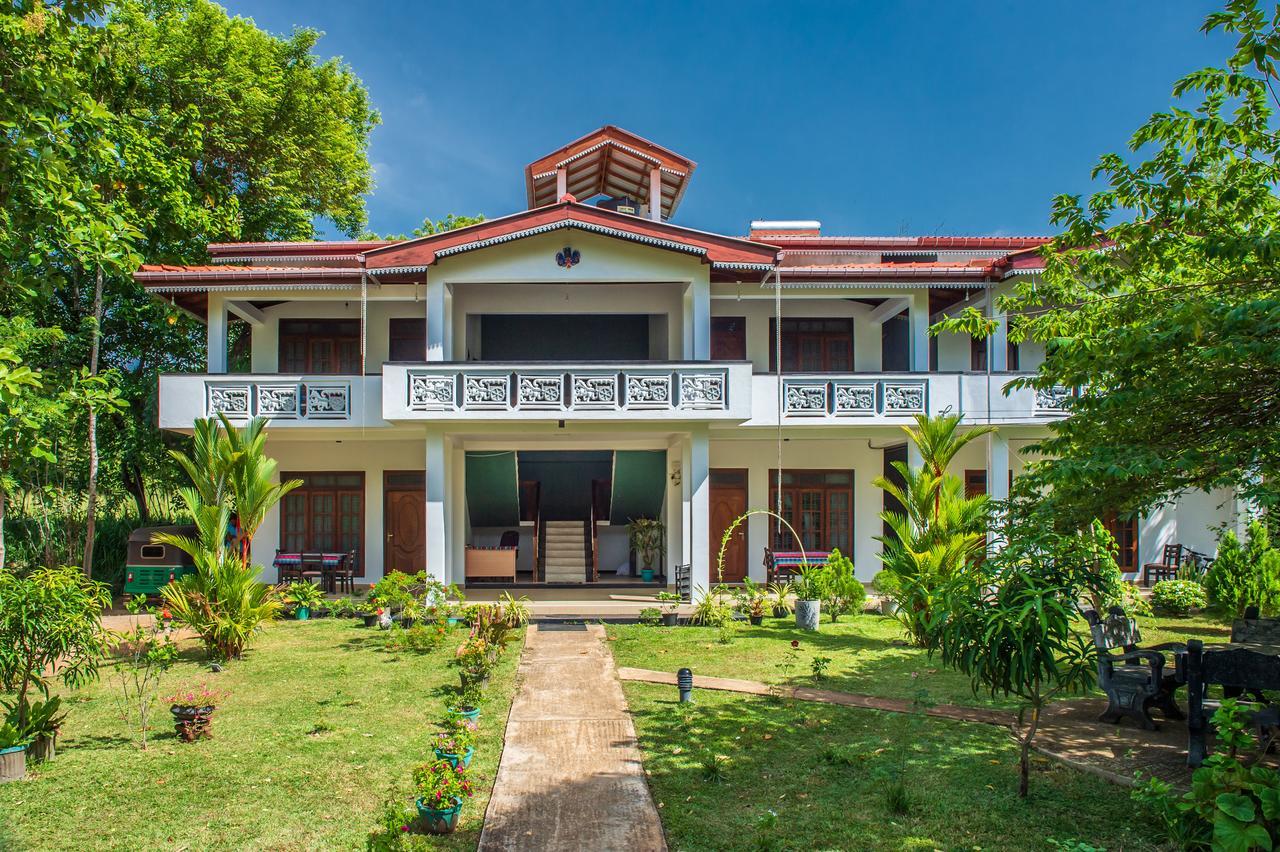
{"x":571,"y":776}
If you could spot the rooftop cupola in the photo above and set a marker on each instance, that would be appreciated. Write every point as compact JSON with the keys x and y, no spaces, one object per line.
{"x":623,"y":171}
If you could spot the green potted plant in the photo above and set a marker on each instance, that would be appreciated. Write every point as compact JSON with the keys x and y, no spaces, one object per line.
{"x":780,"y":594}
{"x":468,"y":706}
{"x":440,"y":789}
{"x":192,"y":711}
{"x":647,"y":537}
{"x":40,"y":730}
{"x":752,"y":602}
{"x":887,"y":585}
{"x":456,"y":744}
{"x":303,"y":596}
{"x":808,"y":588}
{"x":670,"y":604}
{"x":474,"y":659}
{"x":13,"y":754}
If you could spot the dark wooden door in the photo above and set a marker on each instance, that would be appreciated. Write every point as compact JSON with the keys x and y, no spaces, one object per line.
{"x":728,"y":500}
{"x":406,"y":526}
{"x":728,"y":338}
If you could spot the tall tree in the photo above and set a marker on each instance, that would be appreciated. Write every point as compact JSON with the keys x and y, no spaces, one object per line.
{"x":147,"y":130}
{"x":1161,"y":297}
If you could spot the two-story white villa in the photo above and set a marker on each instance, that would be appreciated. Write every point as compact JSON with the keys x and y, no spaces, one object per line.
{"x":536,"y":381}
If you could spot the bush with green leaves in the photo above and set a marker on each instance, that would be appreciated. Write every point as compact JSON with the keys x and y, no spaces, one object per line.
{"x":712,"y":608}
{"x":50,"y":627}
{"x":842,"y":591}
{"x":651,"y":616}
{"x":1232,"y":805}
{"x":302,"y":593}
{"x":1178,"y":597}
{"x":886,"y":583}
{"x":1246,"y":574}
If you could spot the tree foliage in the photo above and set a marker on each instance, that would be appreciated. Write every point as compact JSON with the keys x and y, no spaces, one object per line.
{"x":1245,"y":575}
{"x":1161,"y":297}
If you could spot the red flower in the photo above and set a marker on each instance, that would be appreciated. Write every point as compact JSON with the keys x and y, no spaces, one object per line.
{"x":795,"y":643}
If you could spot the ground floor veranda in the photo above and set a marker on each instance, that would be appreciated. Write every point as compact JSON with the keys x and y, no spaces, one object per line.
{"x":456,"y":503}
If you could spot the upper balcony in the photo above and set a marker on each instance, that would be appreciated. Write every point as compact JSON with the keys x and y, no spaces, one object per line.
{"x":872,"y":398}
{"x":285,"y":400}
{"x":590,"y":391}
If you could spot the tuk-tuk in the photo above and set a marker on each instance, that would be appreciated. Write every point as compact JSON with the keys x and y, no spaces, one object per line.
{"x":152,"y":565}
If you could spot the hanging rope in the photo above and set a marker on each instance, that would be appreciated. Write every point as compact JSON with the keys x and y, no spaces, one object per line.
{"x":364,"y":320}
{"x":777,"y":350}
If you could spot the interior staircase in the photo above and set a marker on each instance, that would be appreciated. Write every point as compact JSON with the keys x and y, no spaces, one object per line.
{"x":565,"y":552}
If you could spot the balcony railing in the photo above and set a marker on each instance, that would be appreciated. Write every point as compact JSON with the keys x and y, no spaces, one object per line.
{"x":851,"y":397}
{"x":697,"y":390}
{"x":284,"y":400}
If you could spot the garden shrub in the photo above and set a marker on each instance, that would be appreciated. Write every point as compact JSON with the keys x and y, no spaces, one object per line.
{"x":1178,"y":597}
{"x":842,"y":591}
{"x":1244,"y":575}
{"x":650,"y":616}
{"x":1231,"y":805}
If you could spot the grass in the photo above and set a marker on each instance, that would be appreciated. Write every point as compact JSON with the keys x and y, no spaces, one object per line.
{"x":869,"y":654}
{"x":320,"y":726}
{"x":751,"y":772}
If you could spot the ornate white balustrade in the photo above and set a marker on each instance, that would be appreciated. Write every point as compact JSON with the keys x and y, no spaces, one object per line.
{"x":594,"y":391}
{"x":288,"y":400}
{"x":320,"y":400}
{"x":852,"y":397}
{"x":1052,"y":400}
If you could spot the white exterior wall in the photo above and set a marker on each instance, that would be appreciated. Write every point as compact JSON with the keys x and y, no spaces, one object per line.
{"x":374,"y":457}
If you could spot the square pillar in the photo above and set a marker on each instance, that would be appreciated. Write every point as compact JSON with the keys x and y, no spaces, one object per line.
{"x":655,"y":194}
{"x":697,"y":511}
{"x":998,"y":466}
{"x":674,"y":509}
{"x":918,"y":325}
{"x":456,"y":512}
{"x":438,"y":461}
{"x":697,"y":321}
{"x":438,"y":338}
{"x":217,"y":335}
{"x":998,"y":343}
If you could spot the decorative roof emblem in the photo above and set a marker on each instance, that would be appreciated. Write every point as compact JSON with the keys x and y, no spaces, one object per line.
{"x":568,"y":257}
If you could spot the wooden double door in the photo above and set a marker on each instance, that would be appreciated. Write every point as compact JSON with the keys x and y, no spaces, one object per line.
{"x":727,"y":501}
{"x":404,"y":504}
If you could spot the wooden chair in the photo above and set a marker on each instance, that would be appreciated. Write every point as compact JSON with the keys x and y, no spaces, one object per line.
{"x":343,"y":575}
{"x":684,"y":582}
{"x":1237,"y":669}
{"x":1134,"y":680}
{"x":312,"y":568}
{"x":287,"y":570}
{"x":1166,"y":568}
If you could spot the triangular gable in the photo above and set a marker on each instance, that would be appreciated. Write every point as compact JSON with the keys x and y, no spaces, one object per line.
{"x":723,"y":253}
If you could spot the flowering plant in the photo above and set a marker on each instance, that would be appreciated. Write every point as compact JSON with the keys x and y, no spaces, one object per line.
{"x":439,"y":784}
{"x":474,"y":656}
{"x":197,"y":698}
{"x":460,"y":736}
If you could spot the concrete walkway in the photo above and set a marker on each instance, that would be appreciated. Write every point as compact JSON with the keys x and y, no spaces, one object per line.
{"x":571,"y":776}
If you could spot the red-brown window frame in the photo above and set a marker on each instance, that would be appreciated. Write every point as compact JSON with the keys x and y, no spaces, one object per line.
{"x":342,"y":335}
{"x":307,"y":491}
{"x":792,"y":341}
{"x":779,"y":534}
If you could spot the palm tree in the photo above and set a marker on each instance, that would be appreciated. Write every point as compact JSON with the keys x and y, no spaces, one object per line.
{"x":230,"y":466}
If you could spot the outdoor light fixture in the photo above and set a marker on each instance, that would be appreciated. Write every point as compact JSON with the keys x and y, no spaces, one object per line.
{"x":684,"y":680}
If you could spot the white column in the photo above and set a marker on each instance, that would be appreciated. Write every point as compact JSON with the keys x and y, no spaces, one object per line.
{"x":998,"y":466}
{"x":758,"y":526}
{"x":217,"y":335}
{"x":918,"y":323}
{"x":437,"y":504}
{"x":700,"y":320}
{"x":675,"y":510}
{"x":437,"y":320}
{"x":998,"y":343}
{"x":562,"y":183}
{"x":697,"y":473}
{"x":456,"y":512}
{"x":914,"y":460}
{"x":655,"y":194}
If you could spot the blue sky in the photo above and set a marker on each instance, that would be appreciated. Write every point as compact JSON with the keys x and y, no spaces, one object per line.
{"x":876,"y":118}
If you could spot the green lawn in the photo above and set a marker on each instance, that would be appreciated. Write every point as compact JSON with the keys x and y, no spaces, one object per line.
{"x":320,"y":724}
{"x":823,"y":771}
{"x":869,"y":654}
